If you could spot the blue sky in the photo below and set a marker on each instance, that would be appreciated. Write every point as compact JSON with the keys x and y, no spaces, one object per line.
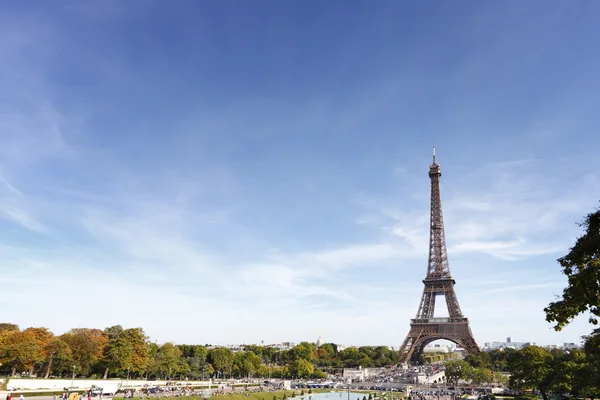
{"x":226,"y":172}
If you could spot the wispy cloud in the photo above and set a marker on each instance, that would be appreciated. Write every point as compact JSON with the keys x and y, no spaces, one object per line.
{"x":517,"y":288}
{"x":13,"y":206}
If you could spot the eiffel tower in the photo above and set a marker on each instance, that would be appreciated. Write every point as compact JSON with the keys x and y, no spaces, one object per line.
{"x":425,"y":328}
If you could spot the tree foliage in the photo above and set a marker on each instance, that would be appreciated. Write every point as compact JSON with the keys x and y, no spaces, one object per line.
{"x":87,"y":347}
{"x":458,"y":370}
{"x":221,"y":359}
{"x":582,"y":268}
{"x":530,"y":368}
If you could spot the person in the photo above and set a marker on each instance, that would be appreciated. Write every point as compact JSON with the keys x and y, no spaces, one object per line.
{"x":22,"y":397}
{"x":8,"y":397}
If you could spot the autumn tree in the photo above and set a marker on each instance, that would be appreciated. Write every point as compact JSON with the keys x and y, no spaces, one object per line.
{"x":87,"y":347}
{"x":126,"y":350}
{"x":42,"y":337}
{"x":22,"y":351}
{"x":138,"y":357}
{"x":5,"y":326}
{"x":582,"y":268}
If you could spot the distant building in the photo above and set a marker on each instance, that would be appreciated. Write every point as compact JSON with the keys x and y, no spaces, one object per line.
{"x":437,"y":348}
{"x":320,"y":341}
{"x":509,"y":344}
{"x":361,"y":374}
{"x":282,"y":346}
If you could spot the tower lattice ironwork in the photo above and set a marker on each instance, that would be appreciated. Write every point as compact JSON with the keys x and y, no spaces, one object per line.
{"x":426,"y":328}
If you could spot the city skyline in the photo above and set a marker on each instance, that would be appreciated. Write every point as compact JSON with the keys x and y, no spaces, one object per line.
{"x":234,"y":172}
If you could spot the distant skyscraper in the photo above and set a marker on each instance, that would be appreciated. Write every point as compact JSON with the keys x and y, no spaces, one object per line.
{"x":508,"y":339}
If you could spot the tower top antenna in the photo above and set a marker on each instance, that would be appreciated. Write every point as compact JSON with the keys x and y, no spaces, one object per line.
{"x":434,"y":154}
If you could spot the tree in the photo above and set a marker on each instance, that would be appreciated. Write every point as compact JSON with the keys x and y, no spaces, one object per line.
{"x":303,"y":350}
{"x":221,"y":359}
{"x":21,"y":350}
{"x":301,"y":368}
{"x":529,"y":369}
{"x":167,"y":361}
{"x":587,"y":376}
{"x":117,"y":350}
{"x":500,"y":378}
{"x":457,"y":370}
{"x":247,"y":363}
{"x":42,"y":336}
{"x":582,"y":268}
{"x":479,"y":360}
{"x":564,"y":366}
{"x":318,"y":374}
{"x":499,"y":359}
{"x":5,"y":326}
{"x":87,"y":346}
{"x":350,"y":357}
{"x":482,"y":375}
{"x":138,"y":356}
{"x":60,"y":358}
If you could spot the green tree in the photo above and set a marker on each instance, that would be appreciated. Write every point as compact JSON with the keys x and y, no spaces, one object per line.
{"x":564,"y":367}
{"x":247,"y":363}
{"x":300,"y":368}
{"x":500,"y":378}
{"x":587,"y":377}
{"x":499,"y":359}
{"x":304,"y":351}
{"x":457,"y":370}
{"x":166,"y":361}
{"x":221,"y":359}
{"x":582,"y":268}
{"x":117,"y":350}
{"x":482,"y":375}
{"x":479,"y":360}
{"x":529,"y":369}
{"x":318,"y":374}
{"x":350,"y":357}
{"x":60,"y":358}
